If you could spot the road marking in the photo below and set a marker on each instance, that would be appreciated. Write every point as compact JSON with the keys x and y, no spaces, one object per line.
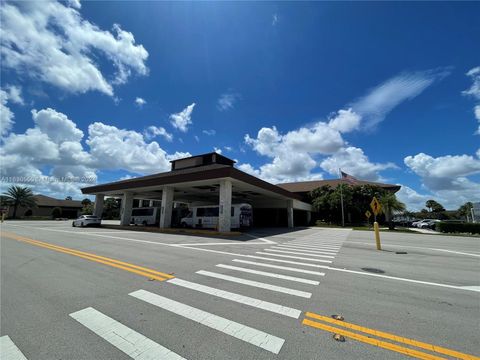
{"x":295,"y":248}
{"x":280,"y":267}
{"x":285,"y":261}
{"x":294,"y":257}
{"x":300,"y":253}
{"x":257,"y":237}
{"x":269,"y":274}
{"x":317,"y":245}
{"x":139,"y":270}
{"x":257,"y":284}
{"x":419,"y":247}
{"x":310,"y":247}
{"x":396,"y":338}
{"x":242,"y":332}
{"x":246,"y":300}
{"x":122,"y":337}
{"x":9,"y":350}
{"x":374,"y":342}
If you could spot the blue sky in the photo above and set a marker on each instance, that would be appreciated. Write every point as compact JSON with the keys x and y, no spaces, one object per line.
{"x":292,"y":91}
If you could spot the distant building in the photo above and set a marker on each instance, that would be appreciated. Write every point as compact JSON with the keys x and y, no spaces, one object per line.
{"x":45,"y":208}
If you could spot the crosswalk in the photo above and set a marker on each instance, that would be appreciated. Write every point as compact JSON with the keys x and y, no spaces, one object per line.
{"x":289,"y":268}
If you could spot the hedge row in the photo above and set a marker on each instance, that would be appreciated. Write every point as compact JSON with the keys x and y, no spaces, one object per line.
{"x":451,"y":227}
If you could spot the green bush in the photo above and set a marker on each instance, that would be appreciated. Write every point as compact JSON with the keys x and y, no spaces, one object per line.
{"x":454,"y":227}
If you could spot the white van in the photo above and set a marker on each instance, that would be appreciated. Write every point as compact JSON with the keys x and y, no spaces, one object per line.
{"x":207,"y":217}
{"x":145,"y":216}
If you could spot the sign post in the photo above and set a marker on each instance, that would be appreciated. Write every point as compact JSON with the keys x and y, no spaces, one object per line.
{"x":376,"y":208}
{"x":367,"y":215}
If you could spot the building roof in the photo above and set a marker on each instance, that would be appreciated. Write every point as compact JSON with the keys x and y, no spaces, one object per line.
{"x":307,"y":186}
{"x":205,"y":172}
{"x":43,"y":200}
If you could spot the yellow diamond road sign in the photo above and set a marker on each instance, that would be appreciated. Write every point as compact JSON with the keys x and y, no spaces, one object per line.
{"x":376,"y":207}
{"x":368,"y":214}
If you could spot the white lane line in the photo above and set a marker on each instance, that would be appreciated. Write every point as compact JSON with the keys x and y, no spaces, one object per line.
{"x":419,"y":247}
{"x":473,"y":288}
{"x":457,"y":252}
{"x":300,"y":253}
{"x":269,"y":274}
{"x":261,"y":238}
{"x":122,"y":337}
{"x":257,"y":284}
{"x":294,"y":248}
{"x":246,"y":300}
{"x":279,"y":267}
{"x":294,"y":257}
{"x":242,"y":332}
{"x":10,"y":351}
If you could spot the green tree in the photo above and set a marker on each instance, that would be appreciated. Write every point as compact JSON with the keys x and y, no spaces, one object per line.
{"x":390,"y":205}
{"x":56,"y":212}
{"x":68,"y":198}
{"x":434,"y":206}
{"x":19,"y":196}
{"x":87,"y":209}
{"x":465,"y":210}
{"x":86,"y":202}
{"x":111,"y":209}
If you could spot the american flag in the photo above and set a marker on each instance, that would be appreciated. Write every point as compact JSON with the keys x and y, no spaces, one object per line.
{"x":349,"y":178}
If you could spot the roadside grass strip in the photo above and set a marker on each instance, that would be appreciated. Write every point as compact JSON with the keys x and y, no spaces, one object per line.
{"x":10,"y":351}
{"x":242,"y":332}
{"x":129,"y":341}
{"x":139,"y":270}
{"x":246,"y":300}
{"x":380,"y":343}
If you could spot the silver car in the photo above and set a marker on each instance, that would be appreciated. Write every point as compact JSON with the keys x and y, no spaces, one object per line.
{"x":87,"y":220}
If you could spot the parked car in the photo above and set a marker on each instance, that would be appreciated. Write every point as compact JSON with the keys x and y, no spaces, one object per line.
{"x":429,"y":224}
{"x":87,"y":220}
{"x":419,"y":223}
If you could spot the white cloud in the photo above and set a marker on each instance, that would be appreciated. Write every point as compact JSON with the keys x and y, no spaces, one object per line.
{"x":140,"y":102}
{"x":412,"y":199}
{"x":53,"y":148}
{"x":374,"y":106}
{"x":474,"y":91}
{"x":217,"y":150}
{"x":51,"y":42}
{"x":274,"y":19}
{"x":153,"y":131}
{"x":228,"y":148}
{"x":227,"y":101}
{"x":353,"y":161}
{"x":56,"y":126}
{"x":182,"y":119}
{"x":15,"y":94}
{"x":6,"y":115}
{"x":447,"y":177}
{"x":210,"y":132}
{"x":197,"y":139}
{"x":345,"y":121}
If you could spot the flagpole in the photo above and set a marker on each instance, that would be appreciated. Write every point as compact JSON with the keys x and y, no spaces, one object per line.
{"x":341,"y":197}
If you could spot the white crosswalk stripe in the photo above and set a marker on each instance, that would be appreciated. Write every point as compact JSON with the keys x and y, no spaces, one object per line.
{"x":316,"y":244}
{"x":299,"y":253}
{"x":294,"y":257}
{"x":260,"y":304}
{"x":242,"y":332}
{"x":269,"y":274}
{"x":122,"y":337}
{"x":311,"y":247}
{"x":287,"y":261}
{"x":296,"y":248}
{"x":10,"y":351}
{"x":318,"y":273}
{"x":257,"y":284}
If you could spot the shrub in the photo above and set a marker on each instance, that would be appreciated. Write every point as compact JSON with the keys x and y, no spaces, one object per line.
{"x":454,"y":227}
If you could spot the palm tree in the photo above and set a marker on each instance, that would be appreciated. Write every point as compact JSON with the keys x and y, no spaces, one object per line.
{"x":19,"y":196}
{"x":391,"y":204}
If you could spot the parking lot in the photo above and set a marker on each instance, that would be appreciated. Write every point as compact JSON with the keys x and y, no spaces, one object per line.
{"x":99,"y":293}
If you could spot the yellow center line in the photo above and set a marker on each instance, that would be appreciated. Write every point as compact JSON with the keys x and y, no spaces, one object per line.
{"x":419,"y":344}
{"x":374,"y":342}
{"x":139,"y":270}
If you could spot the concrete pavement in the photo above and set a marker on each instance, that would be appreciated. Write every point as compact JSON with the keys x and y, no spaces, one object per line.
{"x":244,"y":297}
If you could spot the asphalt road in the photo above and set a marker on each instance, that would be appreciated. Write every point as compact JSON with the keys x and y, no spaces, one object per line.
{"x":269,"y":294}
